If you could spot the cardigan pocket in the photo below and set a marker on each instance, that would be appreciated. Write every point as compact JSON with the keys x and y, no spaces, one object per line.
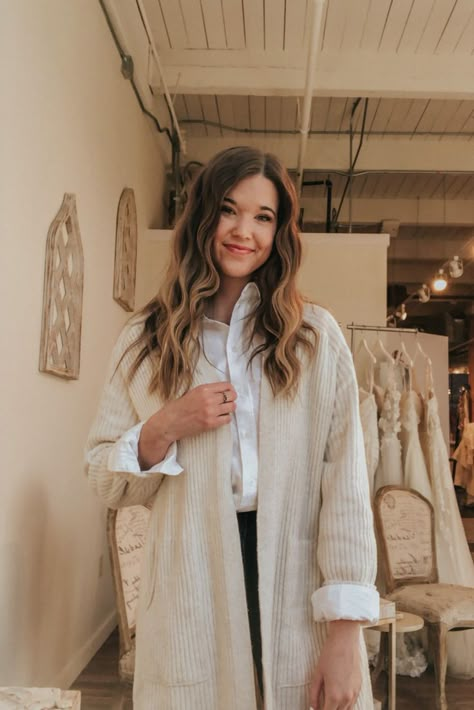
{"x":295,"y":659}
{"x":172,"y":649}
{"x":171,"y":638}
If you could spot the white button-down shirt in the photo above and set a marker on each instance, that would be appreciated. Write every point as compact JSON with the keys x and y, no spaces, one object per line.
{"x":227,"y":349}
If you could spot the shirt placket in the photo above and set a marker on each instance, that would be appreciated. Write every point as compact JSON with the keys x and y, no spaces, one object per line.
{"x":244,"y":415}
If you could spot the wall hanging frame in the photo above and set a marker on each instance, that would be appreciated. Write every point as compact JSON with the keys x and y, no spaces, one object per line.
{"x":126,"y":251}
{"x":60,"y":346}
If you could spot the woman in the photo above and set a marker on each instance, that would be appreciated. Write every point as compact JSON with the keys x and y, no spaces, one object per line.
{"x":227,"y":395}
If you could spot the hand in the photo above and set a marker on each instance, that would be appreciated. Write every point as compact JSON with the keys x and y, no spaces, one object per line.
{"x":337,"y":679}
{"x":201,"y":409}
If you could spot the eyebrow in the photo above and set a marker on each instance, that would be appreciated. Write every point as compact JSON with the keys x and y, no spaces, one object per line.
{"x":262,"y":207}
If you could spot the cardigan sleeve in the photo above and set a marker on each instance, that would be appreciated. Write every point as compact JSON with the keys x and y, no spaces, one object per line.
{"x":346,"y":542}
{"x":111,"y":450}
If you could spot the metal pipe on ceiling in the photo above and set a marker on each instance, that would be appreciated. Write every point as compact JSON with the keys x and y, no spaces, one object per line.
{"x":127,"y":70}
{"x":156,"y":57}
{"x":316,"y":10}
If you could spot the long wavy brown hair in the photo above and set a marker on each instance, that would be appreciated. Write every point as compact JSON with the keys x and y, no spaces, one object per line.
{"x":172,"y":320}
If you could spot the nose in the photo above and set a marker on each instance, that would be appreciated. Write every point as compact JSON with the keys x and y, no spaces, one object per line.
{"x":243,"y":227}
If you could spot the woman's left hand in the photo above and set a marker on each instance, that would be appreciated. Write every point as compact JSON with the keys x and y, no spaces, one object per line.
{"x":337,"y":679}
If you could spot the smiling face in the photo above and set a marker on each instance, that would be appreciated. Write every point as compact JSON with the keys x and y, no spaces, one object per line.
{"x":244,"y":235}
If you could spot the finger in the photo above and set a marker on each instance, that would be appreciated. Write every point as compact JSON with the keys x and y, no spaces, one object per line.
{"x":219,"y":386}
{"x":316,"y":692}
{"x":321,"y":701}
{"x":226,"y":409}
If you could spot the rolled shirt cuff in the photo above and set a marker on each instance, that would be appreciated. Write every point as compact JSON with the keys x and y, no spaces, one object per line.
{"x":354,"y":602}
{"x":123,"y":457}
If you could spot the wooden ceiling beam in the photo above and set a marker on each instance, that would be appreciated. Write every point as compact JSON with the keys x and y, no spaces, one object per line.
{"x":332,"y":152}
{"x":282,"y":73}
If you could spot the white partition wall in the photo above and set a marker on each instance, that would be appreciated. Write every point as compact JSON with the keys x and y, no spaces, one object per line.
{"x":347,"y":274}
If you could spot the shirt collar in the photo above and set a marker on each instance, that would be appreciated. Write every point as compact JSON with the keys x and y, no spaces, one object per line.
{"x":248,"y":300}
{"x":249,"y":297}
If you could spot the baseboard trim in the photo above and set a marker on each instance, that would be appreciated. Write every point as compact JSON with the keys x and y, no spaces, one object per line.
{"x":83,"y":655}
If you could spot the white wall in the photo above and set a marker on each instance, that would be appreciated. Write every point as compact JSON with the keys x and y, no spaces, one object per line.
{"x":69,"y":123}
{"x":347,"y":274}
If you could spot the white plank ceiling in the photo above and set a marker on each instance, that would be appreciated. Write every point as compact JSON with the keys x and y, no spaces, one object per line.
{"x":236,"y":69}
{"x":385,"y":117}
{"x":401,"y":26}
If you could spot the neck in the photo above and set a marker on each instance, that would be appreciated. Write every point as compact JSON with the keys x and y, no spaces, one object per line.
{"x":222,"y":305}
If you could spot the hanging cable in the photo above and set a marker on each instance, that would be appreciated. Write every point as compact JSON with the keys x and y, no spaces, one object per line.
{"x":127,"y":69}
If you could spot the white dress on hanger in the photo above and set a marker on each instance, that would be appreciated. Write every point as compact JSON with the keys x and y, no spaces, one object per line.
{"x":389,"y":471}
{"x":455,"y":565}
{"x":415,"y":473}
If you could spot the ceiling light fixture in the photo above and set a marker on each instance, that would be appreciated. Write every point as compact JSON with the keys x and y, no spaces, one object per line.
{"x":440,"y":281}
{"x":401,"y":312}
{"x":424,"y":293}
{"x":455,"y":267}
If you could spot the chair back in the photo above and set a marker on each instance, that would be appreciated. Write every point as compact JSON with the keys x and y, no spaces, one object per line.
{"x":404,"y":522}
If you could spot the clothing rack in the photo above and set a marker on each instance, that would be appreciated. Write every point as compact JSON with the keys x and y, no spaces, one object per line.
{"x":353,"y":327}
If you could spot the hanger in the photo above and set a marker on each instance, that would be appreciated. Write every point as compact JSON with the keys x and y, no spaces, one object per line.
{"x":383,"y":350}
{"x":404,"y":360}
{"x":407,"y":361}
{"x":419,"y":351}
{"x":363,"y":345}
{"x":429,"y":383}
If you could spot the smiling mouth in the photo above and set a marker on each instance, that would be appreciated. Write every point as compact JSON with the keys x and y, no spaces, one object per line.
{"x":236,"y":249}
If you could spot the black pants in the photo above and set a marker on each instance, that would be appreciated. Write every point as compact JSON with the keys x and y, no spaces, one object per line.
{"x":248,"y":544}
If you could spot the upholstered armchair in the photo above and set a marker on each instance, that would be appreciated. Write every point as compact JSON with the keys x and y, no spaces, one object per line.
{"x":126,"y":532}
{"x":404,"y":522}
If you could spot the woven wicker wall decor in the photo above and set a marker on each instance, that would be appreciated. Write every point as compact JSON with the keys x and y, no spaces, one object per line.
{"x":126,"y":251}
{"x":60,"y":346}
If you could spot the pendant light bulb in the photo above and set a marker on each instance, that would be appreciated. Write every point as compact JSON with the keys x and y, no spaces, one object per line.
{"x":440,"y":281}
{"x":401,"y":313}
{"x":424,"y":293}
{"x":455,"y":267}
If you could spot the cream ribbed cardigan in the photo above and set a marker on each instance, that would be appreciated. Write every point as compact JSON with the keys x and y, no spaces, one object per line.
{"x":314,"y":527}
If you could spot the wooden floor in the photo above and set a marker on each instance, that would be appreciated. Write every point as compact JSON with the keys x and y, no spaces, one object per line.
{"x":101,"y":687}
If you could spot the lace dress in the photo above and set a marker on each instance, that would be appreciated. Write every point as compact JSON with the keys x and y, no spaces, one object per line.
{"x":389,"y":471}
{"x":415,"y":472}
{"x":455,"y":563}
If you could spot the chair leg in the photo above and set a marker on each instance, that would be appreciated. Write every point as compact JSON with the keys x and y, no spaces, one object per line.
{"x":381,"y":658}
{"x":437,"y":638}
